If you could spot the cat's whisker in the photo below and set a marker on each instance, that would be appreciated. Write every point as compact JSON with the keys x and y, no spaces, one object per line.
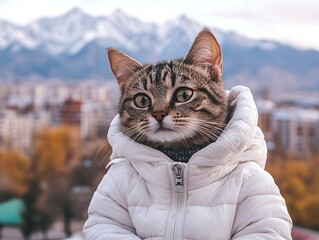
{"x":103,"y":145}
{"x":106,"y":156}
{"x":153,"y":87}
{"x":100,"y":148}
{"x":209,"y":131}
{"x":139,"y":137}
{"x":203,"y":132}
{"x":207,"y":125}
{"x":184,"y":138}
{"x":198,"y":121}
{"x":229,"y":145}
{"x":132,"y":133}
{"x":136,"y":134}
{"x":207,"y":136}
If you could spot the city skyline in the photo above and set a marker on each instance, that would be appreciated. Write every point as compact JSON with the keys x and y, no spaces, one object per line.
{"x":289,"y":126}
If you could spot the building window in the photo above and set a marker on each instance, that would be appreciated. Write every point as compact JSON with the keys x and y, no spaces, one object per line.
{"x":299,"y":130}
{"x":312,"y":132}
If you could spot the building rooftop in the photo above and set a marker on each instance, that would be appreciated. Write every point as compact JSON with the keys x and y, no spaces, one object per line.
{"x":265,"y":105}
{"x":297,"y":114}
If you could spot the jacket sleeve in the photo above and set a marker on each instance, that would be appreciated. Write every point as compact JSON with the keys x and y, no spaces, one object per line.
{"x":108,"y":214}
{"x":261,"y":212}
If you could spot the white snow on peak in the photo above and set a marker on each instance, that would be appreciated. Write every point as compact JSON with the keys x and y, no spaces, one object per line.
{"x":267,"y":45}
{"x":72,"y":31}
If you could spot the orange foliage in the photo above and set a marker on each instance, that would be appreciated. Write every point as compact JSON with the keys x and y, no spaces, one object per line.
{"x":55,"y":151}
{"x":14,"y":167}
{"x":298,"y":181}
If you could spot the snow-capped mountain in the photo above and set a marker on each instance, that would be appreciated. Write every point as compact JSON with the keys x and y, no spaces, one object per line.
{"x":69,"y":33}
{"x":72,"y":46}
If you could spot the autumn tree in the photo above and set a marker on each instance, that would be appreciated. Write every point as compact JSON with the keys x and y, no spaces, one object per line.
{"x":298,"y":181}
{"x":14,"y":167}
{"x":56,"y":150}
{"x":309,"y":211}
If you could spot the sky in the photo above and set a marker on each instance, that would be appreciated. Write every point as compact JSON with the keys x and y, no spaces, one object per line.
{"x":293,"y":22}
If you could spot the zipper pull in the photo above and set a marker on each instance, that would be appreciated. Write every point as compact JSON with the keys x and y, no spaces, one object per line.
{"x":178,"y":171}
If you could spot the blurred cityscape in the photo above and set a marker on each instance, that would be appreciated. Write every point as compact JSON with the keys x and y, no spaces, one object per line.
{"x":29,"y":107}
{"x":53,"y":153}
{"x":53,"y":121}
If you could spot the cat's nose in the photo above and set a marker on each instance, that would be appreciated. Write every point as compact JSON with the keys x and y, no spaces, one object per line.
{"x":159,"y":116}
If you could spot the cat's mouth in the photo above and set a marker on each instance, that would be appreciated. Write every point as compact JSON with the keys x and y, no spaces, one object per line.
{"x":162,"y":133}
{"x":163,"y":129}
{"x":164,"y":126}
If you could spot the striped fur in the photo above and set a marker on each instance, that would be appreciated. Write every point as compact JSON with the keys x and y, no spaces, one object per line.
{"x":154,"y":105}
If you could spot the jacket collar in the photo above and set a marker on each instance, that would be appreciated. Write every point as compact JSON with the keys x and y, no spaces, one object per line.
{"x":240,"y":141}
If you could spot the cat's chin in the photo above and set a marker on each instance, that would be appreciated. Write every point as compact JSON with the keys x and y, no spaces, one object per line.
{"x":170,"y":139}
{"x":165,"y":136}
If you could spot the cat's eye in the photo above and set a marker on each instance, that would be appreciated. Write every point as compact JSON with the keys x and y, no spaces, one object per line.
{"x":142,"y":101}
{"x":183,"y":94}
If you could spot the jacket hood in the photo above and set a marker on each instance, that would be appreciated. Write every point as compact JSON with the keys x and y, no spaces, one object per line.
{"x":241,"y":140}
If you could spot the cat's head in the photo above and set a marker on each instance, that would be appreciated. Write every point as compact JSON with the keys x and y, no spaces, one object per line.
{"x":173,"y":104}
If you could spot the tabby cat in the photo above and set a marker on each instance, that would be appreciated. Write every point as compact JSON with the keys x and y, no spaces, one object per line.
{"x":178,"y":106}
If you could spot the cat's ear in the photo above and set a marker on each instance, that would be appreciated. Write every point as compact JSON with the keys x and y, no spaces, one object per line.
{"x":205,"y":50}
{"x":122,"y":66}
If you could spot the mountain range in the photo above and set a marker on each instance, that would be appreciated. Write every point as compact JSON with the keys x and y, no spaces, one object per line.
{"x":72,"y":47}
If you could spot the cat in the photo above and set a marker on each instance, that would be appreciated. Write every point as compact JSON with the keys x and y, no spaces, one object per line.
{"x":177,"y":171}
{"x":177,"y":106}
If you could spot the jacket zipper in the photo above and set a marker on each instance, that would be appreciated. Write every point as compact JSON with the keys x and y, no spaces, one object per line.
{"x":179,"y":181}
{"x":176,"y":217}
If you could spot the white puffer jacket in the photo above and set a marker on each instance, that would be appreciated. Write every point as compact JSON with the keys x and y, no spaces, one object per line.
{"x":222,"y":193}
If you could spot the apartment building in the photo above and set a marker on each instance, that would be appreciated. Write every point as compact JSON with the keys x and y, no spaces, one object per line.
{"x":26,"y":108}
{"x":16,"y":129}
{"x":296,"y":131}
{"x":290,"y":126}
{"x":265,"y":110}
